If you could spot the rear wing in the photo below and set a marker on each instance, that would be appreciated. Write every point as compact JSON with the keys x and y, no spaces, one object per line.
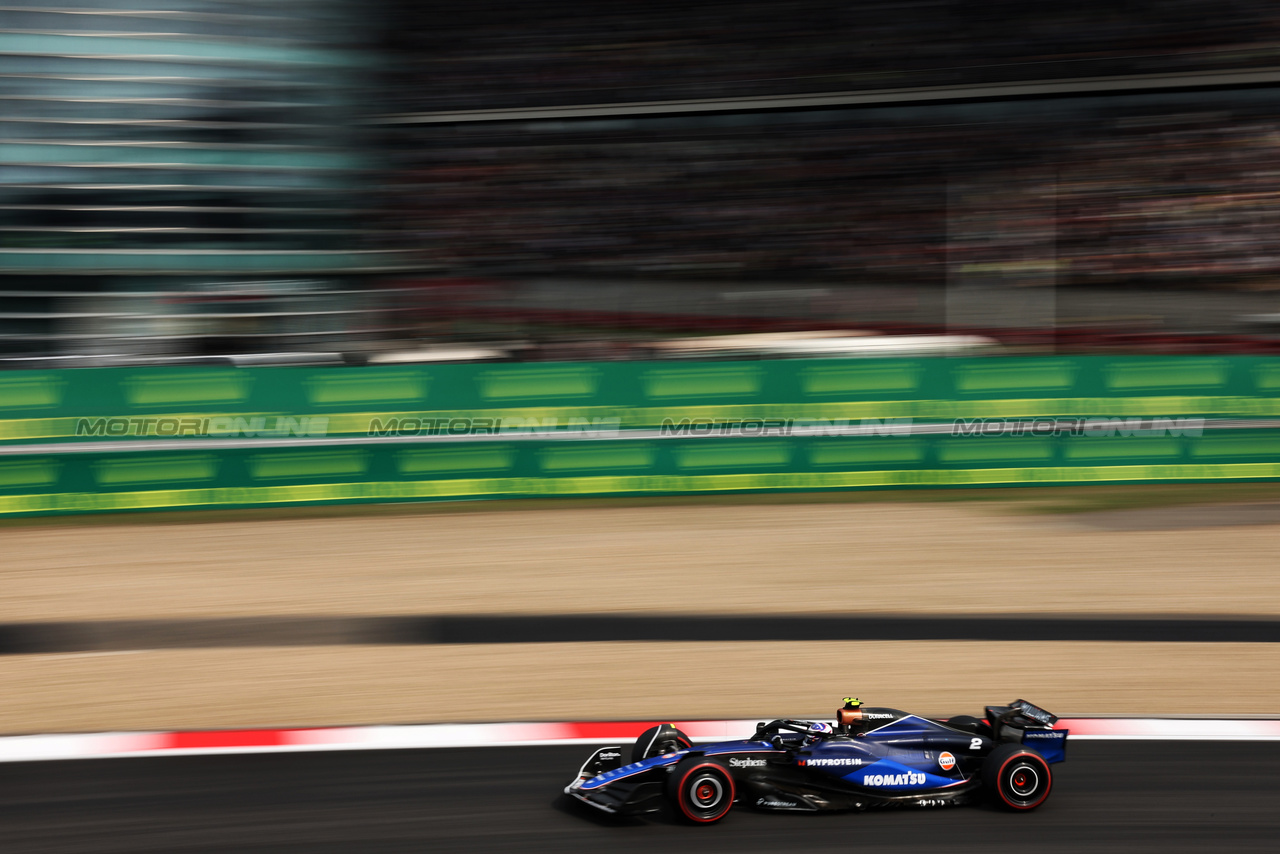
{"x":1026,"y":723}
{"x":1051,"y":744}
{"x":1017,"y":716}
{"x":1034,"y":712}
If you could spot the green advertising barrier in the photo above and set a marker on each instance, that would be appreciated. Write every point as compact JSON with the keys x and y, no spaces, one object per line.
{"x":391,"y":472}
{"x":122,"y":403}
{"x":297,"y":417}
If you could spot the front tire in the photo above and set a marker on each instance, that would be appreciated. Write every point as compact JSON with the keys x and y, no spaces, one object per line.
{"x":701,"y":789}
{"x":1016,"y":777}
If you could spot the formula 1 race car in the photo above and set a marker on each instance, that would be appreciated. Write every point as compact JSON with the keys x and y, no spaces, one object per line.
{"x":871,"y":757}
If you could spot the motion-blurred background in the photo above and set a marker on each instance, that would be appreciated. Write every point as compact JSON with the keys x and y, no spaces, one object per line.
{"x":323,"y":180}
{"x":319,"y":253}
{"x":294,"y":292}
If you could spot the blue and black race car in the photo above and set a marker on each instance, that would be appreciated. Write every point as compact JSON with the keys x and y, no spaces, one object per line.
{"x":870,"y":757}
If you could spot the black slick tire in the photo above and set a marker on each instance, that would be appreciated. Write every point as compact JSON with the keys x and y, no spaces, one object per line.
{"x":701,"y":789}
{"x":1016,"y":777}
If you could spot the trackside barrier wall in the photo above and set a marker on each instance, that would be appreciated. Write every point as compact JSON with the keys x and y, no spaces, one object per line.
{"x":45,"y":408}
{"x":379,"y":472}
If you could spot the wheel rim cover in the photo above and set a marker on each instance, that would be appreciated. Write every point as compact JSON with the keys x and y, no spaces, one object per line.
{"x":707,"y":792}
{"x":1024,"y":781}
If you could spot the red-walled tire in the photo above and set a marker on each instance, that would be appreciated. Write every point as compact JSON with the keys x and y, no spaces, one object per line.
{"x":701,"y":789}
{"x":1016,"y":777}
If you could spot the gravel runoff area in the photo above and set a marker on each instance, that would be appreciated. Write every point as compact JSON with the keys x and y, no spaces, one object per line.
{"x":840,"y":558}
{"x":247,"y":688}
{"x":832,"y":558}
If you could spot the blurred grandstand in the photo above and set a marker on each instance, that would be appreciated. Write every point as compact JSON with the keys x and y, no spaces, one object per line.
{"x":319,"y":181}
{"x":505,"y":53}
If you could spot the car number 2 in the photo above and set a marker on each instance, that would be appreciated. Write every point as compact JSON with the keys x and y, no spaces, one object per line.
{"x":975,"y":744}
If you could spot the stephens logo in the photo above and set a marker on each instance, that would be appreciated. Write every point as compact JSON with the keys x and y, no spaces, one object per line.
{"x":746,"y":763}
{"x":893,"y":780}
{"x":946,"y":761}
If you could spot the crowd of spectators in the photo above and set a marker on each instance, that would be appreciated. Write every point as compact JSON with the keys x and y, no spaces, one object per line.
{"x":1131,"y":190}
{"x":1099,"y":197}
{"x":510,"y":53}
{"x":1192,"y":200}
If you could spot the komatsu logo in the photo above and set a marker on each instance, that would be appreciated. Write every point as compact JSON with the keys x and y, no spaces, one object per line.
{"x":893,"y":780}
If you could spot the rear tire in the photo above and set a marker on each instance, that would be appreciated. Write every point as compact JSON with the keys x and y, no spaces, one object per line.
{"x":702,"y":790}
{"x":658,"y":740}
{"x":1016,"y":777}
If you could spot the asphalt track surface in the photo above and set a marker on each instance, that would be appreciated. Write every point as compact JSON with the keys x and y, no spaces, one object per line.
{"x":122,"y":635}
{"x":1109,"y":796}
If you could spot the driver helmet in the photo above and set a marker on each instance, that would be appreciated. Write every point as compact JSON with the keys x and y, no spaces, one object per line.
{"x":850,"y":714}
{"x":817,"y":732}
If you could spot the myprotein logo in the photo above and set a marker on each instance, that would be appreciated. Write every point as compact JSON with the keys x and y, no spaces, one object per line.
{"x":831,"y":763}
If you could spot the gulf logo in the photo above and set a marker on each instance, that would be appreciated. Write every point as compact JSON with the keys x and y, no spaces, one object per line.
{"x":946,"y":761}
